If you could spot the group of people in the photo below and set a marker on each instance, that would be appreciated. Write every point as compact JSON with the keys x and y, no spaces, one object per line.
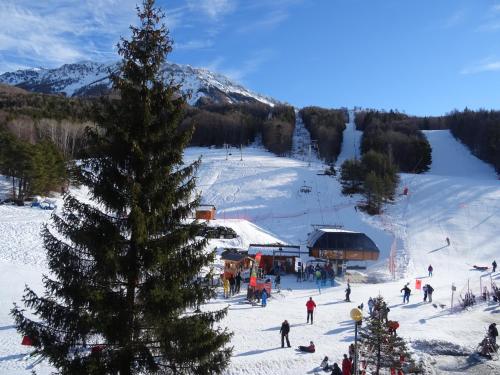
{"x":231,"y":285}
{"x":378,"y":310}
{"x":347,"y":364}
{"x":320,"y":274}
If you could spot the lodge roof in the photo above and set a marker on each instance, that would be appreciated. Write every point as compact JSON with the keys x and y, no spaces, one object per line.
{"x":340,"y":239}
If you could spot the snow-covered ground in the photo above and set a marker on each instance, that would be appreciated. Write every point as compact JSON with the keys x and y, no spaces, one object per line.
{"x":260,"y":198}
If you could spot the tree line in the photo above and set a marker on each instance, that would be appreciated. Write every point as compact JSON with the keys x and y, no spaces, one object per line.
{"x":326,"y":126}
{"x":241,"y":124}
{"x":479,"y":131}
{"x":392,"y":134}
{"x":32,"y":168}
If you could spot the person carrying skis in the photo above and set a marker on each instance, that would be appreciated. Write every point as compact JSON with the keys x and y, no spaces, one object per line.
{"x":346,"y":366}
{"x":348,"y":293}
{"x":494,"y":265}
{"x":430,"y":290}
{"x":406,"y":295}
{"x":430,"y":269}
{"x":264,"y":297}
{"x":311,"y":305}
{"x":285,"y":330}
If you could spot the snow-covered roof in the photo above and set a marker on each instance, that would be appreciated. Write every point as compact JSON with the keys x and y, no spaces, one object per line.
{"x":274,"y":249}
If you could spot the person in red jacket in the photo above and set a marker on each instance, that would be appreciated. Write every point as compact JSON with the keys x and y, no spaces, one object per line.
{"x":346,"y":366}
{"x":310,"y":309}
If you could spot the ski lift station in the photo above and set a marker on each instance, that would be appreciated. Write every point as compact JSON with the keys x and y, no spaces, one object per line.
{"x":340,"y":245}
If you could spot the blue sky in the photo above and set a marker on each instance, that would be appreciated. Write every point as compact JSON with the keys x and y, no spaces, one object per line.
{"x":420,"y":56}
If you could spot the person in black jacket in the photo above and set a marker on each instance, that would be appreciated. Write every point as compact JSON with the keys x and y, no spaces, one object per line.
{"x":238,"y":282}
{"x":494,"y":265}
{"x":336,"y":369}
{"x":285,"y":330}
{"x":493,"y":332}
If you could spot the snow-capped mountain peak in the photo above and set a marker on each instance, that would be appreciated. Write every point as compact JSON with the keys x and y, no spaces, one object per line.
{"x":89,"y":78}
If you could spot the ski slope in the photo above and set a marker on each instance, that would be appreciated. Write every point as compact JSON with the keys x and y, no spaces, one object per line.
{"x":259,"y":197}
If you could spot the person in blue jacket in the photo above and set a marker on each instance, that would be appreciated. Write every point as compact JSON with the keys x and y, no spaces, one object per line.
{"x":264,"y":298}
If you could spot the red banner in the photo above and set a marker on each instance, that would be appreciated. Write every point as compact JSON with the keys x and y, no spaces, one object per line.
{"x":253,"y":275}
{"x":418,"y":284}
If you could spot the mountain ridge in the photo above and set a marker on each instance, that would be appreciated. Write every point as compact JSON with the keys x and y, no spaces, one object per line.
{"x":90,"y":78}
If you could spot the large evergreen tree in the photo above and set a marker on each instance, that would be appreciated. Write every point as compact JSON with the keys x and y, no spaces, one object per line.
{"x":122,"y":290}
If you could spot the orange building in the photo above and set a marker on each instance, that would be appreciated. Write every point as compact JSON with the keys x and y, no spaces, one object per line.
{"x":205,"y":212}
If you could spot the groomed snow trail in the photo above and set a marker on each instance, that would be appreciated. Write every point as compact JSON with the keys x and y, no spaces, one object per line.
{"x":351,"y":141}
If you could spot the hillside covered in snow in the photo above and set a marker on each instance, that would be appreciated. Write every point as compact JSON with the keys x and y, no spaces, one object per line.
{"x":259,"y":196}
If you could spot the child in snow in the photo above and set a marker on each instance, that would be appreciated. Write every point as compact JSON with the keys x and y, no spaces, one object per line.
{"x":308,"y":349}
{"x":264,"y":298}
{"x":325,"y":365}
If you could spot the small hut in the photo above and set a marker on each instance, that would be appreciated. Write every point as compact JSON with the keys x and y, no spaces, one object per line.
{"x":276,"y":256}
{"x":235,"y":261}
{"x":205,"y":212}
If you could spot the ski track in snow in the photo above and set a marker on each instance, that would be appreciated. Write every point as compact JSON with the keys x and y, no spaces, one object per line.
{"x":259,"y":197}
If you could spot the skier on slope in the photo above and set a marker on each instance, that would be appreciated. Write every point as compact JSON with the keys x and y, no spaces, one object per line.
{"x":277,"y":283}
{"x":494,"y":265}
{"x":430,"y":290}
{"x":406,"y":295}
{"x":430,"y":269}
{"x":447,"y":241}
{"x":348,"y":293}
{"x":425,"y":292}
{"x":311,"y":305}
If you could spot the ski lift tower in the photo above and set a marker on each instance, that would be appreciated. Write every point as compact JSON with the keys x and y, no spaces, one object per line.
{"x":312,"y":146}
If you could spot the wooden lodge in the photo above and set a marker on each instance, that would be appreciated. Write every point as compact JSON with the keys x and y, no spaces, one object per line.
{"x":205,"y":212}
{"x":276,"y":255}
{"x":337,"y":244}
